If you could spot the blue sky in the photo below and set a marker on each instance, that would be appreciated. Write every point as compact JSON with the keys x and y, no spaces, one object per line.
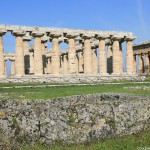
{"x":119,"y":15}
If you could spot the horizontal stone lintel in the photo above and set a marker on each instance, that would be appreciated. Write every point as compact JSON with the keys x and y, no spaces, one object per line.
{"x":63,"y":30}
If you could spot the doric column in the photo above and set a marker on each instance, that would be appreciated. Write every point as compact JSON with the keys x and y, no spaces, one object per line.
{"x":44,"y":40}
{"x":5,"y":67}
{"x":81,"y":63}
{"x":134,"y":64}
{"x":26,"y":40}
{"x":12,"y":67}
{"x":38,"y":63}
{"x":129,"y":55}
{"x":102,"y":55}
{"x":49,"y":66}
{"x":2,"y":67}
{"x":121,"y":57}
{"x":71,"y":54}
{"x":19,"y":60}
{"x":94,"y":61}
{"x":87,"y":54}
{"x":77,"y":63}
{"x":116,"y":55}
{"x":55,"y":54}
{"x":147,"y":62}
{"x":140,"y":64}
{"x":66,"y":68}
{"x":109,"y":59}
{"x":31,"y":71}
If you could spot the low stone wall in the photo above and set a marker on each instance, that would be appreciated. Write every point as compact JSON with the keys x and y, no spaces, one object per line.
{"x":72,"y":119}
{"x":76,"y":78}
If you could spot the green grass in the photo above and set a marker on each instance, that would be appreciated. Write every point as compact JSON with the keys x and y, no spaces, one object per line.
{"x":130,"y":142}
{"x":52,"y":92}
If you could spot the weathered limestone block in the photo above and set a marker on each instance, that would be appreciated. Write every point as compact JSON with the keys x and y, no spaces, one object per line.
{"x":72,"y":119}
{"x":2,"y":67}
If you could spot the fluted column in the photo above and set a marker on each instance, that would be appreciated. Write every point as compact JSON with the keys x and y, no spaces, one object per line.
{"x":31,"y":71}
{"x":147,"y":62}
{"x":81,"y":63}
{"x":129,"y":55}
{"x":38,"y":63}
{"x":49,"y":66}
{"x":55,"y":54}
{"x":140,"y":64}
{"x":12,"y":67}
{"x":2,"y":65}
{"x":121,"y":58}
{"x":94,"y":60}
{"x":109,"y":59}
{"x":77,"y":63}
{"x":26,"y":40}
{"x":87,"y":54}
{"x":19,"y":61}
{"x":71,"y":54}
{"x":66,"y":64}
{"x":116,"y":55}
{"x":102,"y":55}
{"x":134,"y":63}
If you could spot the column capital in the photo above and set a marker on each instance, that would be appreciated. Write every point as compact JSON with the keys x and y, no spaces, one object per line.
{"x":72,"y":35}
{"x":37,"y":33}
{"x":102,"y":37}
{"x":18,"y":32}
{"x":87,"y":36}
{"x":55,"y":34}
{"x":117,"y":37}
{"x":2,"y":32}
{"x":45,"y":38}
{"x":27,"y":38}
{"x":130,"y":38}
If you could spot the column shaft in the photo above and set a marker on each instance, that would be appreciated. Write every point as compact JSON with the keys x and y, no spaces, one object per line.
{"x":129,"y":57}
{"x":55,"y":56}
{"x":94,"y":61}
{"x":102,"y":57}
{"x":2,"y":67}
{"x":65,"y":64}
{"x":19,"y":63}
{"x":140,"y":70}
{"x":31,"y":62}
{"x":109,"y":59}
{"x":121,"y":58}
{"x":81,"y":63}
{"x":44,"y":57}
{"x":87,"y":57}
{"x":134,"y":64}
{"x":116,"y":59}
{"x":38,"y":64}
{"x":12,"y":67}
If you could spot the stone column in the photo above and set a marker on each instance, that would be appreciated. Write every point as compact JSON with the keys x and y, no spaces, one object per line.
{"x":38,"y":63}
{"x":26,"y":40}
{"x":66,"y":64}
{"x":129,"y":55}
{"x":31,"y":61}
{"x":12,"y":67}
{"x":49,"y":67}
{"x":87,"y":54}
{"x":102,"y":55}
{"x":121,"y":58}
{"x":55,"y":54}
{"x":2,"y":67}
{"x":147,"y":63}
{"x":109,"y":59}
{"x":71,"y":54}
{"x":77,"y":63}
{"x":81,"y":63}
{"x":134,"y":63}
{"x":19,"y":60}
{"x":44,"y":40}
{"x":140,"y":65}
{"x":94,"y":61}
{"x":5,"y":67}
{"x":116,"y":55}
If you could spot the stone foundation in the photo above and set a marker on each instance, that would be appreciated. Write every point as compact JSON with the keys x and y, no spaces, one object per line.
{"x":74,"y":119}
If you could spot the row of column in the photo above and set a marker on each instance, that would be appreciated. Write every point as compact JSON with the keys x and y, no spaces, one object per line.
{"x":89,"y":63}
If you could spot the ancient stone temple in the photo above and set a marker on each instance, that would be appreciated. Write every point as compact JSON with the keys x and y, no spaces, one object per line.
{"x":90,"y":53}
{"x":141,"y":52}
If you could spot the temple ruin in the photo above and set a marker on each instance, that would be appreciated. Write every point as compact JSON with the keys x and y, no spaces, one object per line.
{"x":90,"y":53}
{"x":141,"y":52}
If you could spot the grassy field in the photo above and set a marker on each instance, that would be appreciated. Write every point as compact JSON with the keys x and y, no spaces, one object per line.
{"x":130,"y":142}
{"x":52,"y":92}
